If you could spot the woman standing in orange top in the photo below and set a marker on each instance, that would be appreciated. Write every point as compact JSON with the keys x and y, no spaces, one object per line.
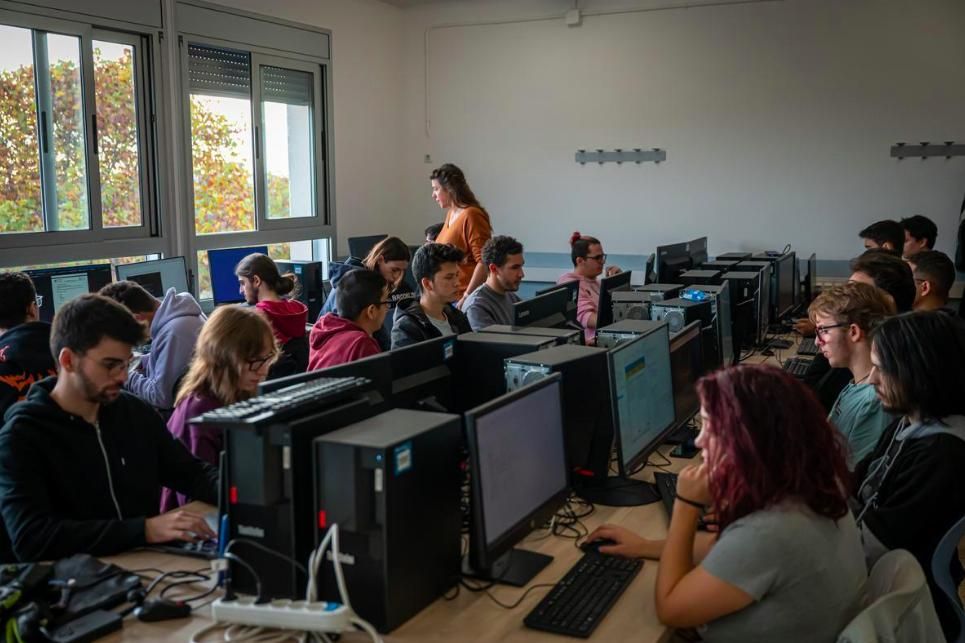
{"x":466,"y":225}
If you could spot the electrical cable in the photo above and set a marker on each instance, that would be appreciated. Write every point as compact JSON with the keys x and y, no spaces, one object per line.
{"x":267,"y":550}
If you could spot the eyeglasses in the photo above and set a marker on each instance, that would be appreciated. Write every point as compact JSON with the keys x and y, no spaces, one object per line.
{"x":40,"y":300}
{"x":600,"y":257}
{"x":114,"y":366}
{"x":824,"y":330}
{"x":257,"y":363}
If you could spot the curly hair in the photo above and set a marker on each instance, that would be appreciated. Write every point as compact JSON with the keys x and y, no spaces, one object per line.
{"x":853,"y":303}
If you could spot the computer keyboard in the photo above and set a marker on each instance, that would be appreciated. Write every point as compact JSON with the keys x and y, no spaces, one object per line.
{"x":577,"y":604}
{"x":667,"y":488}
{"x":797,"y":366}
{"x":323,"y":389}
{"x":807,"y":347}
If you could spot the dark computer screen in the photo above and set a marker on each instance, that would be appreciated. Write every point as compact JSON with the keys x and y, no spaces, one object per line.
{"x":519,"y":472}
{"x":726,"y":325}
{"x":811,"y":286}
{"x":361,"y":246}
{"x":786,"y":283}
{"x":686,"y":367}
{"x":604,"y":311}
{"x":56,"y":286}
{"x":572,"y":287}
{"x":156,"y":276}
{"x":548,"y":310}
{"x":698,"y":251}
{"x":421,"y":378}
{"x":642,"y":395}
{"x":224,"y":283}
{"x":672,"y":261}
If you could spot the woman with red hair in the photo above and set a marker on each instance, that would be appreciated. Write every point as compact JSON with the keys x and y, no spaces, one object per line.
{"x":787,"y":564}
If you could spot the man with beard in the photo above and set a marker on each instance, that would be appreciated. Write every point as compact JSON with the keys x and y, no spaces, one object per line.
{"x":82,"y":462}
{"x":909,"y":489}
{"x":492,"y":303}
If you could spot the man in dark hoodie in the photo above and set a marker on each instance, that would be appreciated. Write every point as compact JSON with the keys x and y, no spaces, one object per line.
{"x":909,"y":489}
{"x":436,"y":268}
{"x":173,"y":325}
{"x":341,"y":338}
{"x":82,"y":462}
{"x":24,"y":340}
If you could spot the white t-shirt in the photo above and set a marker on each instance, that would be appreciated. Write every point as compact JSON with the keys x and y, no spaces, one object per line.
{"x":442,"y":325}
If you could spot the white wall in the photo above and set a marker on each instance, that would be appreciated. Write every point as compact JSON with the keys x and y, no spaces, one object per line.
{"x":367,"y":85}
{"x":777,"y":117}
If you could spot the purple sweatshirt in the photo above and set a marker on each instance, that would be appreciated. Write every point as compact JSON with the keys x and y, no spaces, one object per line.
{"x":204,"y":442}
{"x":587,"y":302}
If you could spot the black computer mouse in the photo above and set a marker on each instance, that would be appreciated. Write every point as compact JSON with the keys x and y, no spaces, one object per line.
{"x":162,"y":610}
{"x":596,"y":544}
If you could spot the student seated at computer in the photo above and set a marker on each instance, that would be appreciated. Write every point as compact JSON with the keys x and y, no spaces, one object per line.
{"x":432,"y":232}
{"x":909,"y":489}
{"x":492,"y":303}
{"x":920,"y":234}
{"x":844,"y":317}
{"x":271,"y":292}
{"x":886,"y":235}
{"x":24,"y":340}
{"x":787,"y":564}
{"x":390,"y":258}
{"x":436,"y":268}
{"x":82,"y":462}
{"x":173,"y":325}
{"x":235,"y":350}
{"x":934,"y":275}
{"x":589,"y":260}
{"x":337,"y":338}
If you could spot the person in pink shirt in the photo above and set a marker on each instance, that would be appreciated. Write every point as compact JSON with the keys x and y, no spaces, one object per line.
{"x":589,"y":262}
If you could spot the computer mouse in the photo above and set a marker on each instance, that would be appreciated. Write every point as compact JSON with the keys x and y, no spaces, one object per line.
{"x":596,"y":544}
{"x":162,"y":610}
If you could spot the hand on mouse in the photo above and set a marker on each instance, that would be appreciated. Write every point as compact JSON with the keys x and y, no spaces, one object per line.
{"x":177,"y":525}
{"x":626,"y":543}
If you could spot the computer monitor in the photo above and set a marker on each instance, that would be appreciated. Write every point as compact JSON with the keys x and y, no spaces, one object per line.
{"x":361,"y":246}
{"x":548,"y":310}
{"x":222,"y":263}
{"x":811,"y":280}
{"x":643,"y":409}
{"x":698,"y":251}
{"x":519,"y":478}
{"x":786,"y":283}
{"x":56,"y":286}
{"x":604,"y":310}
{"x":672,"y":260}
{"x":156,"y":276}
{"x":421,"y":377}
{"x":686,"y":367}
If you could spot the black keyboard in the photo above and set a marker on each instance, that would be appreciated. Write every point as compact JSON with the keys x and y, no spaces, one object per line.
{"x":797,"y":366}
{"x":807,"y":347}
{"x":280,"y":402}
{"x":667,"y":488}
{"x":577,"y":604}
{"x":205,"y":549}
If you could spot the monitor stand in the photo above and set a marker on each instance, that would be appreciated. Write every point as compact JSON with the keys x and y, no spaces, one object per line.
{"x":618,"y":492}
{"x":517,"y":567}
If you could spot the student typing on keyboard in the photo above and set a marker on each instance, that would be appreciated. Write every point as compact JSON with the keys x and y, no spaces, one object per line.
{"x":787,"y":564}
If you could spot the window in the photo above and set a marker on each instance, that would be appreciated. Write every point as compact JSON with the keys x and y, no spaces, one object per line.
{"x":310,"y":250}
{"x":286,"y":112}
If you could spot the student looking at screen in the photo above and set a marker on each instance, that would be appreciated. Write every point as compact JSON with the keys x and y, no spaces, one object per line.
{"x":920,"y":234}
{"x":492,"y":303}
{"x":589,"y":261}
{"x":436,"y":267}
{"x":363,"y":303}
{"x":934,"y":275}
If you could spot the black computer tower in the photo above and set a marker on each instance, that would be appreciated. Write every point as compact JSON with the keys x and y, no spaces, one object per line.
{"x":680,"y":312}
{"x":477,"y":369}
{"x":721,"y":265}
{"x":721,"y":340}
{"x":560,"y":335}
{"x":587,"y":408}
{"x":624,"y":331}
{"x":764,"y":309}
{"x":631,"y":304}
{"x":698,"y":277}
{"x":733,"y":256}
{"x":746,"y":303}
{"x":392,"y":485}
{"x":309,"y":292}
{"x":659,"y":292}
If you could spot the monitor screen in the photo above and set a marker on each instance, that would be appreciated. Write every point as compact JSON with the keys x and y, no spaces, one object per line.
{"x":156,"y":276}
{"x":686,"y":367}
{"x":421,"y":377}
{"x":519,"y":464}
{"x":672,"y":260}
{"x":547,"y":310}
{"x":224,"y":283}
{"x":697,"y":249}
{"x":786,"y":283}
{"x":642,"y":395}
{"x":812,"y":290}
{"x":361,"y":246}
{"x":604,"y":311}
{"x":56,"y":286}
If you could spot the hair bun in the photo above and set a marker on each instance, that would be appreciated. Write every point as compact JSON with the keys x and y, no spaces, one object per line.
{"x":576,"y":236}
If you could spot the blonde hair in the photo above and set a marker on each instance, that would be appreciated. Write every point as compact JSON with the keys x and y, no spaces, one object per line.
{"x":231,"y":336}
{"x":854,"y":303}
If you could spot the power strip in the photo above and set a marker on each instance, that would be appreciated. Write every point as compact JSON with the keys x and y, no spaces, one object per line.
{"x":284,"y":614}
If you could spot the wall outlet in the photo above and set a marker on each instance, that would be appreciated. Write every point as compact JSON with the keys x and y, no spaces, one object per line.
{"x":427,"y":158}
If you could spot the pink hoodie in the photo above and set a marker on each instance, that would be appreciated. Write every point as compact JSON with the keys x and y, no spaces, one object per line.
{"x":588,"y":300}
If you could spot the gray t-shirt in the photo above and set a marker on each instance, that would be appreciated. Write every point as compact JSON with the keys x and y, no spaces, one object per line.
{"x":442,"y":325}
{"x":806,"y":573}
{"x":485,"y":307}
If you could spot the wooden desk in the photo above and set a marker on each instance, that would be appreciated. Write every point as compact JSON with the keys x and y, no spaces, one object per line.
{"x":472,"y":616}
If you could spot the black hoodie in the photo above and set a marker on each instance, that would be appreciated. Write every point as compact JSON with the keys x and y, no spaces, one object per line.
{"x":412,"y":325}
{"x":25,"y":358}
{"x":60,"y":476}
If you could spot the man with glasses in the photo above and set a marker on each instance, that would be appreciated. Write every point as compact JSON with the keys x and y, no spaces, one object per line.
{"x":82,"y":462}
{"x":24,"y":340}
{"x":435,"y":267}
{"x":589,"y":261}
{"x":362,"y":300}
{"x":843,"y":317}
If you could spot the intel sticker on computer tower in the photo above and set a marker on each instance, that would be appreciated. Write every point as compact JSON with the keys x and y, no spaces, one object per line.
{"x":403,"y":457}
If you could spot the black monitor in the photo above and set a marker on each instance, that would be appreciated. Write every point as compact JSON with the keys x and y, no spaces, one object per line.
{"x":811,"y":281}
{"x":361,"y":246}
{"x":604,"y":310}
{"x":157,"y":276}
{"x":573,"y":290}
{"x":57,"y":286}
{"x":686,"y":367}
{"x":641,"y":391}
{"x":698,"y":251}
{"x":421,"y":377}
{"x":224,"y":282}
{"x":786,"y":283}
{"x":548,"y":310}
{"x":672,"y":261}
{"x":519,"y":478}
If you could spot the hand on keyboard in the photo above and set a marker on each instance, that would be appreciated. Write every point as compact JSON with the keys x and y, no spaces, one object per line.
{"x":628,"y":544}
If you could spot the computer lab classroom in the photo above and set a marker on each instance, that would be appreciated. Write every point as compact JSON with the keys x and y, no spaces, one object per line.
{"x":482,"y":320}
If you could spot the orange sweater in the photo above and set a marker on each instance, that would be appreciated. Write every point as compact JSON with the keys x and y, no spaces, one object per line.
{"x":468,"y":232}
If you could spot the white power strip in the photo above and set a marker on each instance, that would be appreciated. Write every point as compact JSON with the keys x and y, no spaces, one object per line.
{"x":284,"y":614}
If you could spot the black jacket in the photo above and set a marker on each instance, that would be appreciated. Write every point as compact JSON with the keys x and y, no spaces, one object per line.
{"x":412,"y":325}
{"x":58,"y":483}
{"x":25,"y":358}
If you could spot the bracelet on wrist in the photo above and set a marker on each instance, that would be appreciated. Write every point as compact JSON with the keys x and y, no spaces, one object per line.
{"x":692,"y":503}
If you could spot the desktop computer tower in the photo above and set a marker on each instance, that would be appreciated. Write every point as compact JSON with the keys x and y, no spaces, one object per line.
{"x":478,"y":373}
{"x":560,"y":335}
{"x":309,"y":291}
{"x":733,"y":256}
{"x":720,"y":265}
{"x":699,"y":277}
{"x":659,"y":292}
{"x":718,"y":341}
{"x":392,"y":485}
{"x":746,"y":308}
{"x":624,"y":331}
{"x":764,"y":307}
{"x":630,"y":304}
{"x":680,"y":312}
{"x":587,"y":408}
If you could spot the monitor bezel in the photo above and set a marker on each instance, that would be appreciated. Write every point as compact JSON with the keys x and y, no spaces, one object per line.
{"x":556,"y":299}
{"x":613,"y":283}
{"x":184,"y":264}
{"x":693,"y":328}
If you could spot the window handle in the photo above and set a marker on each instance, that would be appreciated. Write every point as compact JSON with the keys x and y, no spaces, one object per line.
{"x":44,"y":142}
{"x":93,"y":127}
{"x":257,"y":142}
